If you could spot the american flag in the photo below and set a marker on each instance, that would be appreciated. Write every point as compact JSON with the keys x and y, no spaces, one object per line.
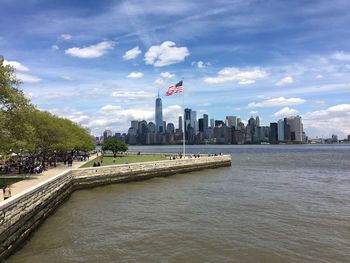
{"x":174,"y":89}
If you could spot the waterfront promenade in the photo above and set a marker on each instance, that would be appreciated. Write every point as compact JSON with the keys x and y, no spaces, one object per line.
{"x":35,"y":179}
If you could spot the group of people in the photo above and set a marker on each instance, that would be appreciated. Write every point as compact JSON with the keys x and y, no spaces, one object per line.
{"x":180,"y":156}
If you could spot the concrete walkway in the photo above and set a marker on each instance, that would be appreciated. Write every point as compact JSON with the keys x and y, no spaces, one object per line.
{"x":35,"y":179}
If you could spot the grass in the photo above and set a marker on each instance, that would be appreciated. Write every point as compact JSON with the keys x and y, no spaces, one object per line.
{"x":108,"y":160}
{"x":9,"y":181}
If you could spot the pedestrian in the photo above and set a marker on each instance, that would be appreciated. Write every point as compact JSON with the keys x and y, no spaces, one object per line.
{"x":7,"y":192}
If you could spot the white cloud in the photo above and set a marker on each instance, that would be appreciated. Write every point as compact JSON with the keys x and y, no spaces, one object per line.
{"x":165,"y":54}
{"x":107,"y":108}
{"x":285,"y":81}
{"x":319,"y":76}
{"x":132,"y":53}
{"x":66,"y":36}
{"x":132,"y":95}
{"x":17,"y":65}
{"x":254,"y":112}
{"x":93,"y":51}
{"x":135,"y":75}
{"x":27,"y":78}
{"x":166,"y":75}
{"x":332,"y":120}
{"x":281,"y":101}
{"x":285,"y":112}
{"x":232,"y":74}
{"x":159,"y":82}
{"x":263,"y":97}
{"x":67,"y":77}
{"x":341,"y":55}
{"x":200,"y":64}
{"x":172,"y":113}
{"x":55,"y":47}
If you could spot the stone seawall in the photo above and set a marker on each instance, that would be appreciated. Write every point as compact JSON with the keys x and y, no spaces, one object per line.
{"x":22,"y":214}
{"x":90,"y":177}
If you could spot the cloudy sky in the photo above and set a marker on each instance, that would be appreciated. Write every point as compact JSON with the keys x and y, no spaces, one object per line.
{"x":101,"y":63}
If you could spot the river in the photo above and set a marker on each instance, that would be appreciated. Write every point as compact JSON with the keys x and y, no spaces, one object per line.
{"x":276,"y":203}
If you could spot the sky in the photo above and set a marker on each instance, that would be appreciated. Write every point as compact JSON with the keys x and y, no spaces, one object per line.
{"x":101,"y":63}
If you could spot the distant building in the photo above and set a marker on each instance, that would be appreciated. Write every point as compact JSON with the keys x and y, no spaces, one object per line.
{"x":273,"y":138}
{"x":201,"y":125}
{"x":170,"y":128}
{"x":151,"y":127}
{"x":219,"y":123}
{"x":194,"y":121}
{"x":280,"y":127}
{"x":159,"y":115}
{"x":164,"y":126}
{"x":212,"y":123}
{"x":107,"y":134}
{"x":135,"y":124}
{"x":205,"y":122}
{"x":334,"y":138}
{"x":180,"y":123}
{"x":231,"y":121}
{"x":296,"y":128}
{"x":257,"y":121}
{"x":286,"y":130}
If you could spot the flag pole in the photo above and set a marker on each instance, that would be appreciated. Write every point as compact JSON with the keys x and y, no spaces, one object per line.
{"x":184,"y":116}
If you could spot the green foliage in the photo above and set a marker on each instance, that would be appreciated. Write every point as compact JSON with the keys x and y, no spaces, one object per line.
{"x":23,"y":127}
{"x":114,"y":145}
{"x":108,"y":160}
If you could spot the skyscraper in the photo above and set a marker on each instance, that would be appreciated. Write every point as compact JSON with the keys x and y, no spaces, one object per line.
{"x":159,"y":115}
{"x":257,"y":121}
{"x":205,"y":122}
{"x":296,"y":128}
{"x":273,"y":132}
{"x":180,"y":123}
{"x":194,"y":121}
{"x":200,"y":125}
{"x":212,"y":123}
{"x":107,"y":134}
{"x":231,"y":121}
{"x":280,"y":130}
{"x":187,"y":119}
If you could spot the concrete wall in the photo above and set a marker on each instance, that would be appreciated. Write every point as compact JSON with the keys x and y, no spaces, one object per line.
{"x":22,"y":214}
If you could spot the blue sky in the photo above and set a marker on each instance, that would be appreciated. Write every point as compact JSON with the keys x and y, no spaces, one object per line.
{"x":100,"y":63}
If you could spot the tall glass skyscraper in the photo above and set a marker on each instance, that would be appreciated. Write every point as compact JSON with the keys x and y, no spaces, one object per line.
{"x":159,"y":115}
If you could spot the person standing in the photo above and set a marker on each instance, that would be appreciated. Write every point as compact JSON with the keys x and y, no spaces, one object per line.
{"x":7,"y":192}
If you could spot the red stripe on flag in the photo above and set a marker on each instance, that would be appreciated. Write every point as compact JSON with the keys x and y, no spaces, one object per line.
{"x":173,"y":89}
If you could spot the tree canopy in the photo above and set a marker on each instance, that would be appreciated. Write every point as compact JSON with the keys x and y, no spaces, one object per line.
{"x":114,"y":145}
{"x":24,"y":128}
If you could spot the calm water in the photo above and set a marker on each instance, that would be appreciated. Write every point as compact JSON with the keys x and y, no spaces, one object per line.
{"x":275,"y":204}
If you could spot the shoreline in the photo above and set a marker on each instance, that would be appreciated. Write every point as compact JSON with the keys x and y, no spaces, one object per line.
{"x":33,"y":202}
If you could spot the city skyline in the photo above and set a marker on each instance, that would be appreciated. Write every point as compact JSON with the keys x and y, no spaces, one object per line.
{"x":101,"y":64}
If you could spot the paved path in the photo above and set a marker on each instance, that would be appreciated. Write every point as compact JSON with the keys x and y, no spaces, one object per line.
{"x":35,"y":179}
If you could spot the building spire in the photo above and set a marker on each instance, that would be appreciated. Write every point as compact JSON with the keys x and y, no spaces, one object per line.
{"x":158,"y":92}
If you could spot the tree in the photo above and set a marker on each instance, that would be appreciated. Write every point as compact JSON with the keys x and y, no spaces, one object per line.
{"x":15,"y":129}
{"x":25,"y":128}
{"x":114,"y":145}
